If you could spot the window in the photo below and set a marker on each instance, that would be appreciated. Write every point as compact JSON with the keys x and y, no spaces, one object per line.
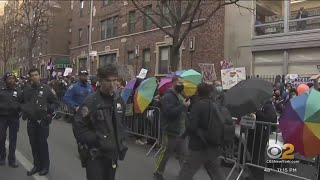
{"x":166,"y":14}
{"x":147,"y":23}
{"x":132,"y":22}
{"x":146,"y":58}
{"x":81,"y":7}
{"x":80,"y":36}
{"x":107,"y":2}
{"x":83,"y":63}
{"x":107,"y":59}
{"x":269,"y":17}
{"x":304,"y":15}
{"x":130,"y":57}
{"x":163,"y":63}
{"x":109,"y":28}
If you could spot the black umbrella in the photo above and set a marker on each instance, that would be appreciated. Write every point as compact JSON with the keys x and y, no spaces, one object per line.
{"x":248,"y":96}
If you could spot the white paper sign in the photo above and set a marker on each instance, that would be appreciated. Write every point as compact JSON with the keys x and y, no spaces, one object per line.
{"x":67,"y":71}
{"x":232,"y":76}
{"x":248,"y":121}
{"x":142,"y":74}
{"x":208,"y":72}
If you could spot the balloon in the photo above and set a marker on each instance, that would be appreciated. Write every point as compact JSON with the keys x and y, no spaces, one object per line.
{"x":302,"y":88}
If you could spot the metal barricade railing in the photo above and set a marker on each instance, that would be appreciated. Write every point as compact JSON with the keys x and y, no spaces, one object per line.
{"x":64,"y":109}
{"x":255,"y":144}
{"x":145,"y":125}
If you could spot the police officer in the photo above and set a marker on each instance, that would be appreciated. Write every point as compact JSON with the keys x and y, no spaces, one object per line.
{"x":9,"y":117}
{"x":40,"y":101}
{"x":77,"y":92}
{"x":98,"y":125}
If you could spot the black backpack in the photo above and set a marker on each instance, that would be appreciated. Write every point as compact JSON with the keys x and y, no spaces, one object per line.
{"x":221,"y":129}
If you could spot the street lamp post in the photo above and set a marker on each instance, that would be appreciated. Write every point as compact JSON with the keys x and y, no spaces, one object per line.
{"x":90,"y":37}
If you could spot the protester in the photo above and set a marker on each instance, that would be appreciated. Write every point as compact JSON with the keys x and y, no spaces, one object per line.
{"x":11,"y":98}
{"x":172,"y":110}
{"x":40,"y":101}
{"x":202,"y":151}
{"x":98,"y":126}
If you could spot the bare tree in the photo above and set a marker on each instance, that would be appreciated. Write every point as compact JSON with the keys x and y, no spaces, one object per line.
{"x":33,"y":21}
{"x":182,"y":16}
{"x":6,"y":40}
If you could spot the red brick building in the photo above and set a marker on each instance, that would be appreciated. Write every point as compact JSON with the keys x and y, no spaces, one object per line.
{"x":120,"y":33}
{"x":54,"y":44}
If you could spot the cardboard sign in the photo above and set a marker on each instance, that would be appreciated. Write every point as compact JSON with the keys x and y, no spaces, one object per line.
{"x":232,"y":76}
{"x":208,"y":72}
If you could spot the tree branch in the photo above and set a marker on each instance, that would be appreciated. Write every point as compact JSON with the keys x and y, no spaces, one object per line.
{"x":152,"y":19}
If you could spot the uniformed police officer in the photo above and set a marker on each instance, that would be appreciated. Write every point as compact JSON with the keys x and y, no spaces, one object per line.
{"x":98,"y":126}
{"x":9,"y":117}
{"x":40,"y":101}
{"x":77,"y":92}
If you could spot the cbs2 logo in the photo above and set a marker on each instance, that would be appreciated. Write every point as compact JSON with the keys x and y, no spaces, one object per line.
{"x":275,"y":151}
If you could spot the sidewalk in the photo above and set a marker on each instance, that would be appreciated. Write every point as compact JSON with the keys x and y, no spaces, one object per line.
{"x":8,"y":173}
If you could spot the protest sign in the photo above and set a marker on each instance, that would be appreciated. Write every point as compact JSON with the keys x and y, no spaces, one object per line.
{"x":208,"y":72}
{"x":67,"y":71}
{"x":232,"y":76}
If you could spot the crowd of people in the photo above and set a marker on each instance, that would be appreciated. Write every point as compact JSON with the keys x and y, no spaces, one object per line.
{"x":191,"y":127}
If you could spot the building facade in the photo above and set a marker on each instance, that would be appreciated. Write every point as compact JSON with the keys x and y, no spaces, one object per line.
{"x":55,"y":44}
{"x":275,"y":38}
{"x":121,"y":34}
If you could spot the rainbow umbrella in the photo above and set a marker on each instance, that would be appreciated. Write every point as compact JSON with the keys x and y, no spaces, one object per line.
{"x":127,"y":91}
{"x":192,"y":76}
{"x":144,"y":94}
{"x":164,"y":84}
{"x":300,"y":123}
{"x":191,"y":79}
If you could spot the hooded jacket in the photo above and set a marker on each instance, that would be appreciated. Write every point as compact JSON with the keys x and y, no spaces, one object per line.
{"x":171,"y":111}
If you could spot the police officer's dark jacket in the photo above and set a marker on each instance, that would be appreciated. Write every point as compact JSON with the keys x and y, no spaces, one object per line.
{"x":39,"y":101}
{"x":10,"y":100}
{"x":98,"y":124}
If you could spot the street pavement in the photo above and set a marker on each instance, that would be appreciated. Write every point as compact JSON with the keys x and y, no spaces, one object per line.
{"x":65,"y":164}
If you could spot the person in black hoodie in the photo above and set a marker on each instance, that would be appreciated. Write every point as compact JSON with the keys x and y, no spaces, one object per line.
{"x":172,"y":110}
{"x":201,"y":152}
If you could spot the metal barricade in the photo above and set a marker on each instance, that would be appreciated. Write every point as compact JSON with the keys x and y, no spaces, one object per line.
{"x":261,"y":146}
{"x":145,"y":125}
{"x":64,"y":109}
